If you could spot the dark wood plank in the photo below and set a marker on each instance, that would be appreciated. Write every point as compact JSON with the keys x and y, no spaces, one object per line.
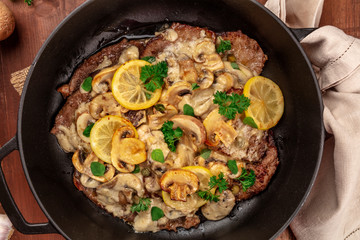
{"x":33,"y":26}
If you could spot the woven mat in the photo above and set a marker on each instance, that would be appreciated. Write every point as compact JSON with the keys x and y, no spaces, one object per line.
{"x":17,"y":79}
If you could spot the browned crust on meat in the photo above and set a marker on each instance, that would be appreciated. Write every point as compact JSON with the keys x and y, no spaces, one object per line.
{"x":66,"y":116}
{"x":185,"y":33}
{"x":246,"y":50}
{"x":89,"y":65}
{"x":184,"y":222}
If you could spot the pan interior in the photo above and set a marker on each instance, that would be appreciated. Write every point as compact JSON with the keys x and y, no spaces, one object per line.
{"x":98,"y":23}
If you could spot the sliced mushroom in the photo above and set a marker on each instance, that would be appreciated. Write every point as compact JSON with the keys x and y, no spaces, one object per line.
{"x":203,"y":48}
{"x":184,"y":155}
{"x":102,"y":81}
{"x":88,"y":182}
{"x":152,"y":184}
{"x":213,"y":62}
{"x":128,"y":150}
{"x":192,"y":127}
{"x":206,"y":78}
{"x":104,"y":104}
{"x":216,"y":168}
{"x":218,"y":210}
{"x":82,"y":122}
{"x":240,"y":165}
{"x":136,"y":117}
{"x":83,"y":164}
{"x":224,"y":82}
{"x":201,"y":101}
{"x":128,"y":54}
{"x":157,"y":119}
{"x":188,"y":71}
{"x":179,"y":183}
{"x":176,"y":92}
{"x":218,"y":130}
{"x":241,"y":75}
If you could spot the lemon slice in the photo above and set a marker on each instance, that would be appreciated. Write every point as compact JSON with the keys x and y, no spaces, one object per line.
{"x":102,"y":132}
{"x":267,"y":102}
{"x":129,"y":90}
{"x":193,"y":202}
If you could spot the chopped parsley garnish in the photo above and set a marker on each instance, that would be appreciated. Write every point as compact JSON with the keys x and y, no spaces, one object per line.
{"x":250,"y":121}
{"x":188,"y":110}
{"x":205,"y":153}
{"x":149,"y":59}
{"x":137,"y":169}
{"x":214,"y":182}
{"x":87,"y":130}
{"x":29,"y":2}
{"x":171,"y":136}
{"x":160,"y":108}
{"x":86,"y":85}
{"x":233,"y":166}
{"x":143,"y":205}
{"x":230,"y":105}
{"x":234,"y":65}
{"x":157,"y":155}
{"x":247,"y":178}
{"x":223,"y":46}
{"x":156,"y":213}
{"x":194,"y":86}
{"x":153,"y":75}
{"x":97,"y":169}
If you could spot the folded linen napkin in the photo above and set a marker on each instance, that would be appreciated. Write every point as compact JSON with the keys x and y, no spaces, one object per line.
{"x":332,"y":210}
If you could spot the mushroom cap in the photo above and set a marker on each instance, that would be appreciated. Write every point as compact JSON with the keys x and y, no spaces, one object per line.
{"x":175,"y":93}
{"x":83,"y":120}
{"x":104,"y":104}
{"x":128,"y":150}
{"x":191,"y":127}
{"x":102,"y":81}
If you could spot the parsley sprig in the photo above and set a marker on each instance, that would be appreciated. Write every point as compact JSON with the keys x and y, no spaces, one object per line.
{"x":143,"y":205}
{"x":171,"y":136}
{"x":223,"y":46}
{"x":153,"y":75}
{"x":247,"y":178}
{"x":29,"y":2}
{"x":230,"y":105}
{"x":214,"y":182}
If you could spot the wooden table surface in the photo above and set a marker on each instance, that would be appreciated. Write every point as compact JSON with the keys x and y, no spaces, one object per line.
{"x":33,"y":26}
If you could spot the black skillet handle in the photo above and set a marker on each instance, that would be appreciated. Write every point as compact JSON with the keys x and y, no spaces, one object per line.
{"x":9,"y":204}
{"x":301,"y":33}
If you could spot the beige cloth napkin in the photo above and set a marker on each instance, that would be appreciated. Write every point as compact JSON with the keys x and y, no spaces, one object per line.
{"x":332,"y":210}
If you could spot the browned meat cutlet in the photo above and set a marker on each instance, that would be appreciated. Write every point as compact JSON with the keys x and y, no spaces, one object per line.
{"x":66,"y":116}
{"x":184,"y":32}
{"x":246,"y":50}
{"x":112,"y":52}
{"x":184,"y":222}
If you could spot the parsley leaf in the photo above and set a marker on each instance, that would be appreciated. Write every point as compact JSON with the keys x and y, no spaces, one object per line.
{"x":137,"y":169}
{"x":157,"y":155}
{"x":223,"y":46}
{"x":250,"y":121}
{"x":97,"y":169}
{"x":160,"y":107}
{"x":214,"y":182}
{"x":230,"y":105}
{"x":188,"y":110}
{"x":171,"y":136}
{"x":194,"y":86}
{"x":149,"y":59}
{"x":143,"y":205}
{"x":156,"y":213}
{"x":153,"y":75}
{"x":87,"y":130}
{"x":205,"y":153}
{"x":247,"y":179}
{"x":233,"y":166}
{"x":29,"y":2}
{"x":86,"y":85}
{"x":234,"y":65}
{"x":207,"y":195}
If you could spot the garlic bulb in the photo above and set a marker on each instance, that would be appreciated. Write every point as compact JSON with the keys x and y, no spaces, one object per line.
{"x":6,"y":227}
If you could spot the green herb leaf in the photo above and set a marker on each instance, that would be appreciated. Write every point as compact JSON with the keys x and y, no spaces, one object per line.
{"x":143,"y":205}
{"x":233,"y":166}
{"x":156,"y":213}
{"x":171,"y":136}
{"x":160,"y":107}
{"x":230,"y":105}
{"x":207,"y":195}
{"x":247,"y":179}
{"x":220,"y":182}
{"x":149,"y":59}
{"x":205,"y":153}
{"x":153,"y":75}
{"x":235,"y":66}
{"x":87,"y":130}
{"x":188,"y":110}
{"x":147,"y":95}
{"x":157,"y":155}
{"x":137,"y":169}
{"x":250,"y":121}
{"x":29,"y":2}
{"x":194,"y":86}
{"x":223,"y":46}
{"x":86,"y":85}
{"x":97,"y":169}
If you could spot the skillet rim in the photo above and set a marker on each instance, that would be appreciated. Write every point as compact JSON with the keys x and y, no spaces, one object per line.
{"x":84,"y":5}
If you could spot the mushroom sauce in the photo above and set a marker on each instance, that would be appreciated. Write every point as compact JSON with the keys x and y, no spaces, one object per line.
{"x":208,"y":168}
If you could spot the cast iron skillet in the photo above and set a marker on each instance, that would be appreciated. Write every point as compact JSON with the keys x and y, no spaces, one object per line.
{"x":299,"y":135}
